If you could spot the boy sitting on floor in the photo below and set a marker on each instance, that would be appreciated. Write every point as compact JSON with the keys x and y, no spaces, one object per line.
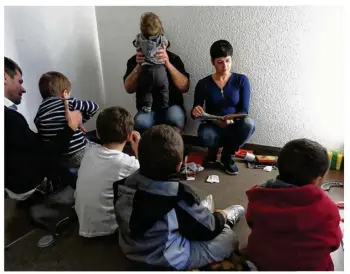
{"x":101,"y":166}
{"x":294,"y":223}
{"x":161,"y":221}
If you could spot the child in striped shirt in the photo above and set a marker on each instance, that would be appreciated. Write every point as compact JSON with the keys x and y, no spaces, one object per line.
{"x":50,"y":119}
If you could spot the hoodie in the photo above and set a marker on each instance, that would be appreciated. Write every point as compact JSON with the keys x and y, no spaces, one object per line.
{"x":292,"y":228}
{"x":149,"y":47}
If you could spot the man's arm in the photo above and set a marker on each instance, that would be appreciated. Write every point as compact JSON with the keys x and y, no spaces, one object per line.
{"x":133,"y":69}
{"x":60,"y":143}
{"x":25,"y":138}
{"x":180,"y":80}
{"x":177,"y":70}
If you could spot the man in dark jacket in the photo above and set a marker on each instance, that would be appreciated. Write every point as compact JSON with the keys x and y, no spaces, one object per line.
{"x":294,"y":224}
{"x":28,"y":160}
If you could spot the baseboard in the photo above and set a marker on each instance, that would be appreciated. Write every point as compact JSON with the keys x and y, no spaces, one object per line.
{"x":258,"y":149}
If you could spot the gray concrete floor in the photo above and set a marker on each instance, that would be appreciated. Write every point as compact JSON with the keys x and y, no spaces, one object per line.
{"x":71,"y":252}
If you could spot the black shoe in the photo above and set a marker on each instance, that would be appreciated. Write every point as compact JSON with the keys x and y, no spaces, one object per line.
{"x":229,"y":165}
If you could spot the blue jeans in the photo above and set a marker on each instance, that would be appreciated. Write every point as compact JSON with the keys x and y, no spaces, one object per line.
{"x":173,"y":116}
{"x":231,"y":138}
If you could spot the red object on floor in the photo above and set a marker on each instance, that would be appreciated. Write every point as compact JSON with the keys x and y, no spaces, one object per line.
{"x":340,"y":204}
{"x":196,"y":157}
{"x":342,"y":219}
{"x":242,"y":152}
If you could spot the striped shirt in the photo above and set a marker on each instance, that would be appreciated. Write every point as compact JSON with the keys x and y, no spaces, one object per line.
{"x":50,"y":119}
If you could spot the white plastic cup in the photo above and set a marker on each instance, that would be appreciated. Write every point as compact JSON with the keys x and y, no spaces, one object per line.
{"x":249,"y":157}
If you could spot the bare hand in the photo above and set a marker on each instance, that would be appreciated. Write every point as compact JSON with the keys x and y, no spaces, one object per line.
{"x":74,"y":118}
{"x":197,"y":111}
{"x":134,"y":141}
{"x":162,"y":55}
{"x":140,"y":58}
{"x":83,"y":129}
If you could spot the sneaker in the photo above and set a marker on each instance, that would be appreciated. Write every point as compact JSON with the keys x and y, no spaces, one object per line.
{"x":234,"y":213}
{"x":208,"y":202}
{"x":229,"y":166}
{"x":147,"y":109}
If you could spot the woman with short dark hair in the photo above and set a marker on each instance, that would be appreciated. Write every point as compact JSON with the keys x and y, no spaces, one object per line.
{"x":223,"y":92}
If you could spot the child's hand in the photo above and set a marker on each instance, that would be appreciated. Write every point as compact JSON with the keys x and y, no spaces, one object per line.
{"x":83,"y":129}
{"x":134,"y":141}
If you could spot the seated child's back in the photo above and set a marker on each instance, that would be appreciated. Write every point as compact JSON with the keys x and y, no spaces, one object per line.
{"x":50,"y":118}
{"x":294,"y":224}
{"x":101,"y":166}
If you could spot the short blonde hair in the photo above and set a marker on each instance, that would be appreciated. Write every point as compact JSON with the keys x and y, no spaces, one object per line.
{"x":150,"y":24}
{"x":52,"y":84}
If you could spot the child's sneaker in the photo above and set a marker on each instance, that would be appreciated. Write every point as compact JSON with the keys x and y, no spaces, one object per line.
{"x":234,"y":213}
{"x":208,"y":202}
{"x":147,"y":109}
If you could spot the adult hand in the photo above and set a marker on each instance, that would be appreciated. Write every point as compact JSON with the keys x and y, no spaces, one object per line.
{"x":197,"y":111}
{"x":140,"y":58}
{"x":162,"y":55}
{"x":134,"y":141}
{"x":74,"y":118}
{"x":224,"y":123}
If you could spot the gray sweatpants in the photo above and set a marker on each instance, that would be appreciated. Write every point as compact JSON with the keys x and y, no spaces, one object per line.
{"x":221,"y":247}
{"x":153,"y":88}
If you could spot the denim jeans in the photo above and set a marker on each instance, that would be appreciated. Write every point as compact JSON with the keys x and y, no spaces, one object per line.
{"x":231,"y":138}
{"x":173,"y":116}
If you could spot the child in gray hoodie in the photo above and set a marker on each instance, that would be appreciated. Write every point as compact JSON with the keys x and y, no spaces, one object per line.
{"x":153,"y":82}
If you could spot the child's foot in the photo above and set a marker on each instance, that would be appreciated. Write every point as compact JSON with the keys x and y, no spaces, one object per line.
{"x":234,"y":214}
{"x":208,"y":202}
{"x":229,"y":165}
{"x":146,"y":109}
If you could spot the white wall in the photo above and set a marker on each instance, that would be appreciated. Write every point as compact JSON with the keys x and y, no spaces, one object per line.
{"x":292,"y":55}
{"x":65,"y":39}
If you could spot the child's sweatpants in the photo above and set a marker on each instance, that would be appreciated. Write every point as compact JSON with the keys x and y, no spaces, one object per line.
{"x":153,"y":88}
{"x":221,"y":247}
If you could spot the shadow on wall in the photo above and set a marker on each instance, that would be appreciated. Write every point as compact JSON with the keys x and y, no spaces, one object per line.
{"x":63,"y":39}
